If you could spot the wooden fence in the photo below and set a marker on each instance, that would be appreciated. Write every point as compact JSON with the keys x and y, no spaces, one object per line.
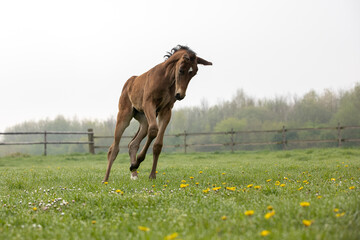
{"x":45,"y":142}
{"x":231,"y":143}
{"x":282,"y":139}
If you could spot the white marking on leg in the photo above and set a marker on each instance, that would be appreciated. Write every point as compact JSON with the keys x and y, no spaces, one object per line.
{"x":134,"y":175}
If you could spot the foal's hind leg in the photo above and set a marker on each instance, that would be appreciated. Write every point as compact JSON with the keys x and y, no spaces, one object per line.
{"x":135,"y":144}
{"x":123,"y":120}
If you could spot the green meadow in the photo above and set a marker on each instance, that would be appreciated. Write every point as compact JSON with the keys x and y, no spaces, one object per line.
{"x":295,"y":194}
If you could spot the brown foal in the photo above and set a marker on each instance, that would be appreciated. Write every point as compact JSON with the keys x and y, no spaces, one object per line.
{"x":149,"y":96}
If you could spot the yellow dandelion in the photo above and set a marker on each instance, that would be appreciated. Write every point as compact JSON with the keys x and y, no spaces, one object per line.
{"x":282,"y":185}
{"x":183,"y":181}
{"x":269,"y":180}
{"x":264,"y":233}
{"x":119,"y":191}
{"x":35,"y":208}
{"x":206,"y":190}
{"x":270,"y":208}
{"x":224,"y":183}
{"x":300,"y":188}
{"x":307,"y":223}
{"x":197,"y":183}
{"x":153,"y":186}
{"x":164,"y":173}
{"x":183,"y":185}
{"x":336,"y":210}
{"x":285,"y":178}
{"x":223,"y":173}
{"x":223,"y":218}
{"x":216,"y":188}
{"x":319,"y":197}
{"x":250,"y":185}
{"x":191,"y":178}
{"x":156,"y":172}
{"x":305,"y":204}
{"x":171,"y":236}
{"x":257,"y":187}
{"x":105,"y":183}
{"x":352,"y":187}
{"x":340,"y":214}
{"x":269,"y":214}
{"x":333,"y":179}
{"x":93,"y":222}
{"x":144,"y":229}
{"x":200,"y":172}
{"x":165,"y":186}
{"x":249,"y":212}
{"x":277,"y":183}
{"x":231,"y":188}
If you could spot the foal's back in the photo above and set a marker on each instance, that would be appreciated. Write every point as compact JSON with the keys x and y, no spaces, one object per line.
{"x":151,"y":86}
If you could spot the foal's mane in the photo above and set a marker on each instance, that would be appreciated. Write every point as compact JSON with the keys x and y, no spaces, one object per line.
{"x":177,"y":48}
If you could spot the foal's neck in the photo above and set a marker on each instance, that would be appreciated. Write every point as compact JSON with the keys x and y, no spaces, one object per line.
{"x":170,"y":70}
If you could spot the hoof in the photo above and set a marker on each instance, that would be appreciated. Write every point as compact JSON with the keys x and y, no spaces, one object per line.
{"x":134,"y":175}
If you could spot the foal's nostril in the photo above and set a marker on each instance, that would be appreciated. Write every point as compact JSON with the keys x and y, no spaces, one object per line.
{"x":178,"y":96}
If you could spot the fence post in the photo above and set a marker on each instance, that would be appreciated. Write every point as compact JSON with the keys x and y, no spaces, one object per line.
{"x":45,"y":143}
{"x":232,"y":140}
{"x":185,"y":142}
{"x":284,"y":138}
{"x":339,"y":134}
{"x":91,"y":141}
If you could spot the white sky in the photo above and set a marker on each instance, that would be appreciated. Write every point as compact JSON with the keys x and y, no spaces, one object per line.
{"x":73,"y":57}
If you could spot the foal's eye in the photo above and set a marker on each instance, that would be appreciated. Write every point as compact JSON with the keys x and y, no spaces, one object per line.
{"x":181,"y":71}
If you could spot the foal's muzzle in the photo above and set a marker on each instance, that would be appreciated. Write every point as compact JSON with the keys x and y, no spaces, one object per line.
{"x":179,"y":97}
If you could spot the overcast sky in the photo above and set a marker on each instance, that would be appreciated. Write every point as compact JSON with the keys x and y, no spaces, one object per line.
{"x":73,"y":57}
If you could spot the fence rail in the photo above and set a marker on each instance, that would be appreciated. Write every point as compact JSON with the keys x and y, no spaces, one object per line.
{"x":45,"y":142}
{"x":284,"y":142}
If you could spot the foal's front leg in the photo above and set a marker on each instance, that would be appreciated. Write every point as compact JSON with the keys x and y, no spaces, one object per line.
{"x":135,"y":144}
{"x":152,"y":132}
{"x":164,"y":119}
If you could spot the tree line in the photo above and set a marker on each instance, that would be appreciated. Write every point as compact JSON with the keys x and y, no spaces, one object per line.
{"x":242,"y":112}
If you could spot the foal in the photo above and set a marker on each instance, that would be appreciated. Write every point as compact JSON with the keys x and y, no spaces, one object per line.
{"x":149,"y":96}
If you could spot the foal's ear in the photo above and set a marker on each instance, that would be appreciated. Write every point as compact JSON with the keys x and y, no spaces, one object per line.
{"x":203,"y":61}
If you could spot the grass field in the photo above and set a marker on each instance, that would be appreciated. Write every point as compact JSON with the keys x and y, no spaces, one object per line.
{"x":297,"y":194}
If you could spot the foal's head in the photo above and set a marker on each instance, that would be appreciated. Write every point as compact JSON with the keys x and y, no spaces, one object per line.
{"x":185,"y":68}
